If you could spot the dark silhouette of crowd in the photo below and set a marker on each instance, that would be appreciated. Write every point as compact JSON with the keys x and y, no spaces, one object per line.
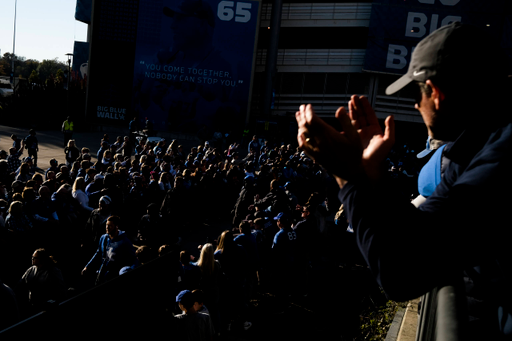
{"x":85,"y":222}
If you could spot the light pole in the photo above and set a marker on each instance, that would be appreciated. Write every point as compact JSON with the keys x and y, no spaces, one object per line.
{"x":69,"y":55}
{"x":13,"y":48}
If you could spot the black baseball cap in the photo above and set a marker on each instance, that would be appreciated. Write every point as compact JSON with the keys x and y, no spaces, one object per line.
{"x":195,"y":8}
{"x":455,"y":51}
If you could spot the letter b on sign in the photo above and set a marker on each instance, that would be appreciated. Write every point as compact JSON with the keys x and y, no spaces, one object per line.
{"x":393,"y":56}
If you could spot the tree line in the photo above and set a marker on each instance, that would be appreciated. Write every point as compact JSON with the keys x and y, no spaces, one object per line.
{"x":41,"y":87}
{"x":36,"y":72}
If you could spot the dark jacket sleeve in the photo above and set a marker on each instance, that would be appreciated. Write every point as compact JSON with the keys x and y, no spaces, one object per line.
{"x":411,"y":250}
{"x":97,"y":257}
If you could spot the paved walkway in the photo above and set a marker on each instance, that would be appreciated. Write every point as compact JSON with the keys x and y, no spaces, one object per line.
{"x":51,"y":142}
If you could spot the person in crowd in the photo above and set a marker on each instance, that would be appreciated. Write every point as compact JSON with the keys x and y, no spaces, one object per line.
{"x":79,"y":194}
{"x":114,"y":252}
{"x":84,"y":166}
{"x":16,"y":142}
{"x":72,"y":153}
{"x":65,"y":205}
{"x":95,"y":185}
{"x":24,"y":174}
{"x":103,"y":147}
{"x":54,"y":167}
{"x":236,"y":267}
{"x":32,"y":145}
{"x":126,"y":148}
{"x":95,"y":225}
{"x":192,"y":326}
{"x":165,"y":182}
{"x":67,"y":129}
{"x":210,"y":281}
{"x":478,"y":150}
{"x":84,"y":155}
{"x":143,"y":254}
{"x":248,"y":241}
{"x":116,"y":145}
{"x":254,"y":145}
{"x":63,"y":177}
{"x":191,"y":272}
{"x":13,"y":160}
{"x":38,"y":181}
{"x":44,"y":216}
{"x":276,"y":198}
{"x":73,"y":173}
{"x":43,"y":280}
{"x":17,"y":221}
{"x":107,"y":159}
{"x":150,"y":230}
{"x":285,"y":248}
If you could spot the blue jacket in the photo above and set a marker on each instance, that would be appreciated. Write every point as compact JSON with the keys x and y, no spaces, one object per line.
{"x":285,"y":245}
{"x":113,"y":254}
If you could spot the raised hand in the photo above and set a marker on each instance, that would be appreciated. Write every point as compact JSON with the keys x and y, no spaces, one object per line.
{"x":375,"y":142}
{"x":339,"y":153}
{"x":360,"y":148}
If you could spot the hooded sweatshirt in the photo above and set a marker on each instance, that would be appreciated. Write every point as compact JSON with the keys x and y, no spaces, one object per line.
{"x":113,"y":254}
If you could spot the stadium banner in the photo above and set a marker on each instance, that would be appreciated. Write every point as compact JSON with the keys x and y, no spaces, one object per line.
{"x":83,"y":11}
{"x":80,"y":59}
{"x":396,"y":27}
{"x":181,"y":64}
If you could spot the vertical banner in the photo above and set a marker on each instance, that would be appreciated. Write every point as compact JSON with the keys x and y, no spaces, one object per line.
{"x":396,"y":26}
{"x":83,"y":11}
{"x":80,"y":59}
{"x":181,"y":64}
{"x":112,"y":50}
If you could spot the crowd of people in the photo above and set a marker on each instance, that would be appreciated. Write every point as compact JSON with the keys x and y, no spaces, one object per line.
{"x":115,"y":213}
{"x":286,"y":224}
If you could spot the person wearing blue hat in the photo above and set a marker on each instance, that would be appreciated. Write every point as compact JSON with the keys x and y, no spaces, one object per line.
{"x":285,"y":241}
{"x":294,"y":201}
{"x":191,"y":324}
{"x":284,"y":249}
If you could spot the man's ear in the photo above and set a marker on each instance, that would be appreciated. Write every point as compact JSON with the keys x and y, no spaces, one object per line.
{"x":437,"y":95}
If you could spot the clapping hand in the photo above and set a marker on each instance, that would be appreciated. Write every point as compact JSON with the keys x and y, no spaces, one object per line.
{"x":376,"y":143}
{"x":359,"y":148}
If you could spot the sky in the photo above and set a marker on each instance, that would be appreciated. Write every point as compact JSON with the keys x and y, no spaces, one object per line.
{"x":45,"y":29}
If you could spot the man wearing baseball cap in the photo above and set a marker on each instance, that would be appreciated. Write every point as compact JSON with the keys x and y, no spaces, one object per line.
{"x":192,"y":325}
{"x":461,"y":81}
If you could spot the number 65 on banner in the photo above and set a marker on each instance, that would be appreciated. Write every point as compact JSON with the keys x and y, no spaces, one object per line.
{"x":225,"y":11}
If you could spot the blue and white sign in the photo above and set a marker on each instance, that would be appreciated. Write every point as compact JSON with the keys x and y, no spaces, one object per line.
{"x":193,"y":62}
{"x":396,"y":26}
{"x":180,"y":64}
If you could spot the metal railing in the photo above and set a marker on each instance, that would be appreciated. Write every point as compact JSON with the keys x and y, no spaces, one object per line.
{"x":443,"y":314}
